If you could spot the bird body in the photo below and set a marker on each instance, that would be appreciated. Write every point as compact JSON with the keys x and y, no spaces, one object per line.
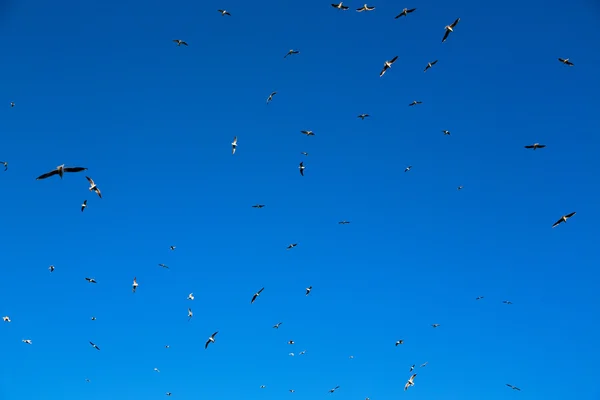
{"x":60,"y":170}
{"x":429,"y":65}
{"x":224,"y":12}
{"x":363,"y":116}
{"x":6,"y":318}
{"x":566,"y":61}
{"x":180,"y":42}
{"x":414,"y":103}
{"x":135,"y":285}
{"x":292,"y":51}
{"x":211,"y":339}
{"x":90,"y":280}
{"x":93,"y":187}
{"x":387,"y":65}
{"x":404,"y":13}
{"x":308,"y":289}
{"x":308,"y":133}
{"x":271,"y":97}
{"x":564,"y":219}
{"x":535,"y":146}
{"x":301,"y":167}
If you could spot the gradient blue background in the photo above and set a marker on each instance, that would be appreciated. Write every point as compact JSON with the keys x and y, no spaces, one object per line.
{"x":100,"y":84}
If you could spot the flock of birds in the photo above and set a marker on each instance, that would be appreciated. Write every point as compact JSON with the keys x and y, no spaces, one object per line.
{"x":62,"y":169}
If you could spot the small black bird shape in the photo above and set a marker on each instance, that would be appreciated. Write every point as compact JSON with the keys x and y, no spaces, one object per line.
{"x":414,"y":103}
{"x":449,"y":28}
{"x":566,"y":61}
{"x":90,"y":280}
{"x":435,"y":325}
{"x":408,"y":168}
{"x":387,"y":65}
{"x":51,"y":268}
{"x":304,"y":153}
{"x":446,"y":132}
{"x":404,"y":12}
{"x":334,"y":389}
{"x":535,"y":146}
{"x":291,"y":246}
{"x":224,"y":12}
{"x":344,"y":222}
{"x":429,"y":65}
{"x":277,"y":325}
{"x":363,"y":116}
{"x":258,"y":206}
{"x":172,"y":248}
{"x":5,"y":163}
{"x":308,"y":133}
{"x":256,"y":295}
{"x":479,"y":298}
{"x":365,"y":8}
{"x":308,"y":289}
{"x":399,"y":342}
{"x":83,"y":205}
{"x":94,"y":346}
{"x":163,"y":266}
{"x":562,"y":219}
{"x":507,"y":302}
{"x":271,"y":97}
{"x":292,"y":51}
{"x":340,"y":6}
{"x":301,"y":167}
{"x":211,"y":339}
{"x":12,"y":104}
{"x":180,"y":42}
{"x":411,"y":368}
{"x":60,"y":170}
{"x":513,"y":387}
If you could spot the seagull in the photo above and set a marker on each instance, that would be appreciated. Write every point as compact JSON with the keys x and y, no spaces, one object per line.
{"x":429,"y":65}
{"x":277,"y":325}
{"x":93,"y":187}
{"x":459,"y":188}
{"x":172,"y":248}
{"x":190,"y":314}
{"x":562,"y":219}
{"x":507,"y":302}
{"x":262,"y":386}
{"x":26,"y":341}
{"x":292,"y":51}
{"x":399,"y":342}
{"x":450,"y":28}
{"x":408,"y":168}
{"x":410,"y":382}
{"x":292,"y":390}
{"x":135,"y":285}
{"x":562,"y":60}
{"x":258,"y":206}
{"x":304,"y":153}
{"x":291,"y":354}
{"x":291,"y":342}
{"x":180,"y":42}
{"x":190,"y":296}
{"x":12,"y":104}
{"x":414,"y":103}
{"x":210,"y":339}
{"x":435,"y":325}
{"x":166,"y":346}
{"x":271,"y":97}
{"x":334,"y":389}
{"x":291,"y":246}
{"x":479,"y":298}
{"x":93,"y":318}
{"x":256,"y":295}
{"x":446,"y":132}
{"x":387,"y":65}
{"x":224,"y":12}
{"x":363,"y":116}
{"x":87,"y":380}
{"x":344,"y":222}
{"x":168,"y":393}
{"x":513,"y":387}
{"x":60,"y":170}
{"x":156,"y":369}
{"x":308,"y":289}
{"x":233,"y":145}
{"x":5,"y":163}
{"x":301,"y":167}
{"x":302,"y":352}
{"x":424,"y":364}
{"x":404,"y":12}
{"x":351,"y":357}
{"x":411,"y":368}
{"x":365,"y":8}
{"x":535,"y":146}
{"x":51,"y":268}
{"x":83,"y":205}
{"x":308,"y":133}
{"x":6,"y":319}
{"x":94,"y":346}
{"x":163,"y":266}
{"x":340,"y":6}
{"x":91,"y":280}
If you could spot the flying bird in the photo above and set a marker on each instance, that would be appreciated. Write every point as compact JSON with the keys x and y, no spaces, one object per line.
{"x":94,"y":346}
{"x":93,"y":318}
{"x":449,"y":28}
{"x":168,"y":393}
{"x":363,"y":116}
{"x":156,"y":369}
{"x":262,"y":386}
{"x":308,"y":289}
{"x":513,"y":387}
{"x":190,"y":314}
{"x":5,"y":163}
{"x":507,"y":302}
{"x":408,"y":168}
{"x":172,"y":248}
{"x":93,"y":187}
{"x":163,"y":266}
{"x":301,"y":167}
{"x":6,"y":319}
{"x":365,"y":8}
{"x":429,"y":65}
{"x":224,"y":12}
{"x":566,"y":61}
{"x":399,"y":342}
{"x":258,"y":206}
{"x":190,"y":296}
{"x":446,"y":132}
{"x":91,"y":280}
{"x":435,"y":325}
{"x":135,"y":285}
{"x":60,"y":170}
{"x":291,"y":342}
{"x":387,"y":65}
{"x":271,"y":97}
{"x":180,"y":42}
{"x":302,"y":352}
{"x":211,"y":339}
{"x":83,"y":205}
{"x":479,"y":298}
{"x":424,"y":364}
{"x":411,"y":368}
{"x":459,"y":188}
{"x":291,"y":246}
{"x":308,"y":133}
{"x":304,"y":153}
{"x":234,"y":145}
{"x":535,"y":146}
{"x":344,"y":222}
{"x":292,"y":51}
{"x":12,"y":104}
{"x":404,"y":12}
{"x":562,"y":219}
{"x":340,"y":6}
{"x":334,"y":389}
{"x":26,"y":341}
{"x":256,"y":295}
{"x":292,"y":390}
{"x":277,"y":325}
{"x":291,"y":354}
{"x":414,"y":103}
{"x":410,"y":382}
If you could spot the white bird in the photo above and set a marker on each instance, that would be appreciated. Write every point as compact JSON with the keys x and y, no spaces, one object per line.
{"x":410,"y":382}
{"x":302,"y":352}
{"x":304,"y":153}
{"x":190,"y":314}
{"x":234,"y":145}
{"x":91,"y":280}
{"x":412,"y":368}
{"x":340,"y":6}
{"x":224,"y":12}
{"x":408,"y":168}
{"x":308,"y":289}
{"x":365,"y":8}
{"x":190,"y":296}
{"x":168,"y":393}
{"x":51,"y":268}
{"x":291,"y":354}
{"x":449,"y":28}
{"x":93,"y":318}
{"x":93,"y":187}
{"x":301,"y":168}
{"x":446,"y":132}
{"x":12,"y":104}
{"x":271,"y":97}
{"x":262,"y":386}
{"x":351,"y":357}
{"x":387,"y":65}
{"x":277,"y":325}
{"x":83,"y":205}
{"x":156,"y":369}
{"x":308,"y":133}
{"x":459,"y":188}
{"x":291,"y":342}
{"x":135,"y":285}
{"x":405,"y":12}
{"x":292,"y":390}
{"x":6,"y":319}
{"x":399,"y":342}
{"x":26,"y":341}
{"x":211,"y":339}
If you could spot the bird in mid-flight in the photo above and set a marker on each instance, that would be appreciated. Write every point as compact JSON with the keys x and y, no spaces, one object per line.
{"x":83,"y":205}
{"x":93,"y":187}
{"x":449,"y":28}
{"x":513,"y":387}
{"x":180,"y":42}
{"x":334,"y":389}
{"x":94,"y":346}
{"x":363,"y":116}
{"x":435,"y":325}
{"x":271,"y":97}
{"x":446,"y":132}
{"x":256,"y":295}
{"x":414,"y":103}
{"x":91,"y":280}
{"x":404,"y":13}
{"x":424,"y":364}
{"x":135,"y":285}
{"x":6,"y":319}
{"x":60,"y":170}
{"x":277,"y":325}
{"x":387,"y":65}
{"x":535,"y":146}
{"x":308,"y":133}
{"x":479,"y":298}
{"x":460,"y":188}
{"x":163,"y":266}
{"x":12,"y":104}
{"x":301,"y":167}
{"x":190,"y":314}
{"x":408,"y":168}
{"x":562,"y":219}
{"x":190,"y":296}
{"x":340,"y":6}
{"x":429,"y":65}
{"x":410,"y":382}
{"x":399,"y":342}
{"x":292,"y":245}
{"x":308,"y":289}
{"x":292,"y":51}
{"x":51,"y":268}
{"x":258,"y":206}
{"x":234,"y":145}
{"x":211,"y":339}
{"x":566,"y":61}
{"x":172,"y":248}
{"x":156,"y":369}
{"x":224,"y":12}
{"x":26,"y":341}
{"x":507,"y":302}
{"x":412,"y":368}
{"x":5,"y":163}
{"x":365,"y":8}
{"x":304,"y":153}
{"x":344,"y":222}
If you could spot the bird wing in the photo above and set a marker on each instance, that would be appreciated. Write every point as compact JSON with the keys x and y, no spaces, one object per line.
{"x":445,"y":35}
{"x":529,"y":146}
{"x":541,"y":146}
{"x":562,"y":60}
{"x":406,"y":385}
{"x":74,"y":169}
{"x":345,"y":7}
{"x":454,"y":23}
{"x":411,"y":10}
{"x":509,"y":385}
{"x":434,"y":62}
{"x":214,"y":334}
{"x":206,"y":344}
{"x":393,"y":60}
{"x":260,"y":291}
{"x":570,"y":215}
{"x":98,"y":192}
{"x":90,"y":180}
{"x":47,"y":174}
{"x":399,"y":15}
{"x":557,"y":223}
{"x":385,"y":67}
{"x":253,"y":298}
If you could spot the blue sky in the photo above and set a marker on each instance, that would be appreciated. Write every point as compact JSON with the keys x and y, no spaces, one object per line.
{"x":102,"y":85}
